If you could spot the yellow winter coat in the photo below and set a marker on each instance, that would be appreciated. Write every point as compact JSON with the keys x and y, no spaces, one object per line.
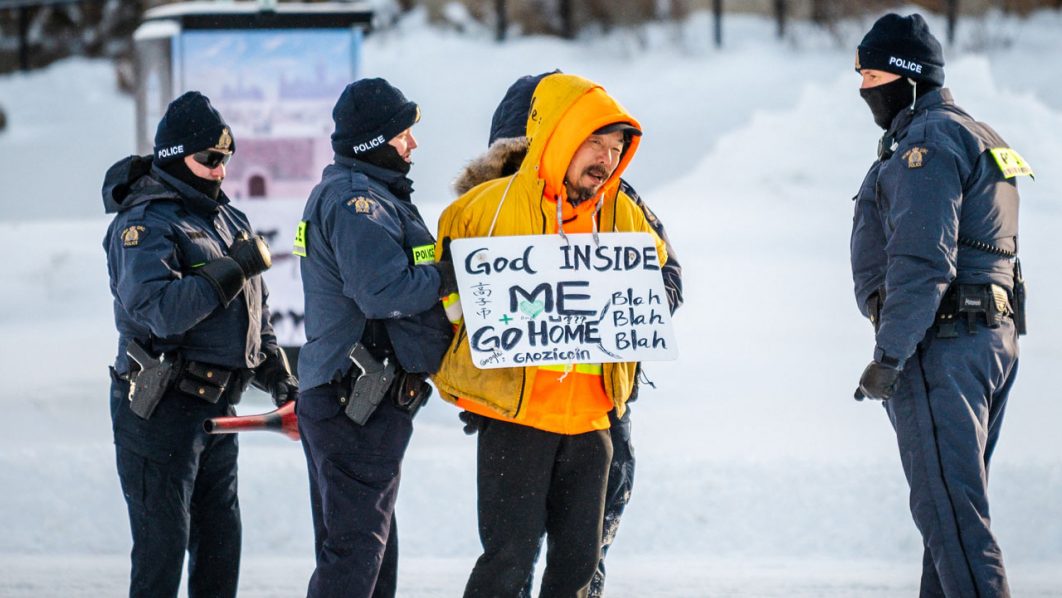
{"x":565,"y":110}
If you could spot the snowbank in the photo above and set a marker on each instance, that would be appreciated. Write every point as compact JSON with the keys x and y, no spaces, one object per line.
{"x":758,"y":475}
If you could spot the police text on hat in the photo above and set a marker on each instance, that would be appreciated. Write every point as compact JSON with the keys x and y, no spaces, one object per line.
{"x":904,"y":46}
{"x":191,"y":125}
{"x":368,"y":114}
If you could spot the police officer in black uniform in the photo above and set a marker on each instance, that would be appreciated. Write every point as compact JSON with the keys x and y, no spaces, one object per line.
{"x":193,"y":329}
{"x":375,"y":329}
{"x":934,"y":244}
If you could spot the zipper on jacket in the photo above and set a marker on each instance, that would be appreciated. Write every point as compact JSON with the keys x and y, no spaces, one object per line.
{"x":460,"y":337}
{"x":520,"y":403}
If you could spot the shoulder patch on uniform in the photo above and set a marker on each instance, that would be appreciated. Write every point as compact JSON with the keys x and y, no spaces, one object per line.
{"x":424,"y":254}
{"x":1011,"y":162}
{"x":915,"y":157}
{"x":360,"y":204}
{"x":300,"y":240}
{"x":131,"y":235}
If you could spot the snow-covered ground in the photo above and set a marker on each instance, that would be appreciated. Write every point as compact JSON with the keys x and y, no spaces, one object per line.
{"x":758,"y":475}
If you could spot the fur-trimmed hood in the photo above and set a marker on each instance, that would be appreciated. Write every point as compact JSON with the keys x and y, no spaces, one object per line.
{"x":502,"y":158}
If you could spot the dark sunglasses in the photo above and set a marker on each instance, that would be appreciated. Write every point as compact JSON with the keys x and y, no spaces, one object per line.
{"x":211,"y":158}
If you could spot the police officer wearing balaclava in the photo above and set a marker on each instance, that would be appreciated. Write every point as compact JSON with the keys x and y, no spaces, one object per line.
{"x":375,"y":328}
{"x":934,"y":258}
{"x":193,"y":329}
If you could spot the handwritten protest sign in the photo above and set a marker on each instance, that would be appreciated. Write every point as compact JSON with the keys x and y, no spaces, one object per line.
{"x":540,"y":300}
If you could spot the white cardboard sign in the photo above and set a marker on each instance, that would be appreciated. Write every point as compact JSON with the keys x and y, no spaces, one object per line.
{"x":541,"y":300}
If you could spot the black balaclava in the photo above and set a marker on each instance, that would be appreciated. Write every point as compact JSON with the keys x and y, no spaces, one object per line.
{"x":386,"y":156}
{"x":180,"y":171}
{"x":889,"y":99}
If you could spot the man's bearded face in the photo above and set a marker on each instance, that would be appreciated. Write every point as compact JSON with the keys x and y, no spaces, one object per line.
{"x":592,"y":165}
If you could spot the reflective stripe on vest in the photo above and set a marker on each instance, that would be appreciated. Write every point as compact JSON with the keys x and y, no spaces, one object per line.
{"x":591,"y":369}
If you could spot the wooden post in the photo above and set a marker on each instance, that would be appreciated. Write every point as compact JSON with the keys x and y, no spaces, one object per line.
{"x":23,"y":35}
{"x":818,"y":12}
{"x":567,"y":26}
{"x":717,"y":22}
{"x":503,"y":20}
{"x":780,"y":10}
{"x":953,"y":17}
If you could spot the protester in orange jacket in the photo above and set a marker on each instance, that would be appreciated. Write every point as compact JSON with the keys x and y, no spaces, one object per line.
{"x":506,"y":148}
{"x":544,"y":448}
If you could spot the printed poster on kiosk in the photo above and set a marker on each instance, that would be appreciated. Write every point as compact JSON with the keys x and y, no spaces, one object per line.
{"x":276,"y":89}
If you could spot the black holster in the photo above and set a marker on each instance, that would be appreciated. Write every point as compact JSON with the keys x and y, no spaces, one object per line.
{"x":970,"y":304}
{"x":150,"y":378}
{"x":367,"y":385}
{"x":410,"y":392}
{"x":210,"y":382}
{"x":1019,"y":298}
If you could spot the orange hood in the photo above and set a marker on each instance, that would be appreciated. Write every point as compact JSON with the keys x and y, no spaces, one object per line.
{"x":565,"y":110}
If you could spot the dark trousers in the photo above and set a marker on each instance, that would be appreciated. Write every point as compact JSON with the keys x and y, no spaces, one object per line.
{"x":180,"y":489}
{"x":618,"y":492}
{"x":617,"y":495}
{"x":947,"y":414}
{"x":354,"y":476}
{"x":532,"y":482}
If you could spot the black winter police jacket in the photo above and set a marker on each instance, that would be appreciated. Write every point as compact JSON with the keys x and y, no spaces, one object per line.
{"x":162,"y":230}
{"x":941,"y":175}
{"x":366,"y":256}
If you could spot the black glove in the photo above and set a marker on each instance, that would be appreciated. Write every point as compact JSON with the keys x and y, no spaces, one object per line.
{"x":445,"y":267}
{"x":473,"y":422}
{"x":247,"y":257}
{"x":275,"y":377}
{"x":447,"y":277}
{"x":251,"y":253}
{"x":878,"y":380}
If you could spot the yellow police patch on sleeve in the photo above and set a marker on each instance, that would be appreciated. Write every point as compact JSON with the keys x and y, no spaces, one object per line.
{"x":131,"y":235}
{"x":424,"y":254}
{"x":1011,"y":162}
{"x":300,"y":240}
{"x":916,"y":157}
{"x":361,"y":204}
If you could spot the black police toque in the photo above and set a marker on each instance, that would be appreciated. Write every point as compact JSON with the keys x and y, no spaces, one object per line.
{"x":191,"y":125}
{"x":368,"y":114}
{"x":904,"y":46}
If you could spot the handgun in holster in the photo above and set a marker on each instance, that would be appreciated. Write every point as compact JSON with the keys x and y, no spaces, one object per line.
{"x":150,"y":379}
{"x":368,"y":384}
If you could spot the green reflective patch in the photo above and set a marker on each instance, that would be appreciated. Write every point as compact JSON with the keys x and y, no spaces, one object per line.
{"x":425,"y":254}
{"x":300,"y":240}
{"x":1011,"y":162}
